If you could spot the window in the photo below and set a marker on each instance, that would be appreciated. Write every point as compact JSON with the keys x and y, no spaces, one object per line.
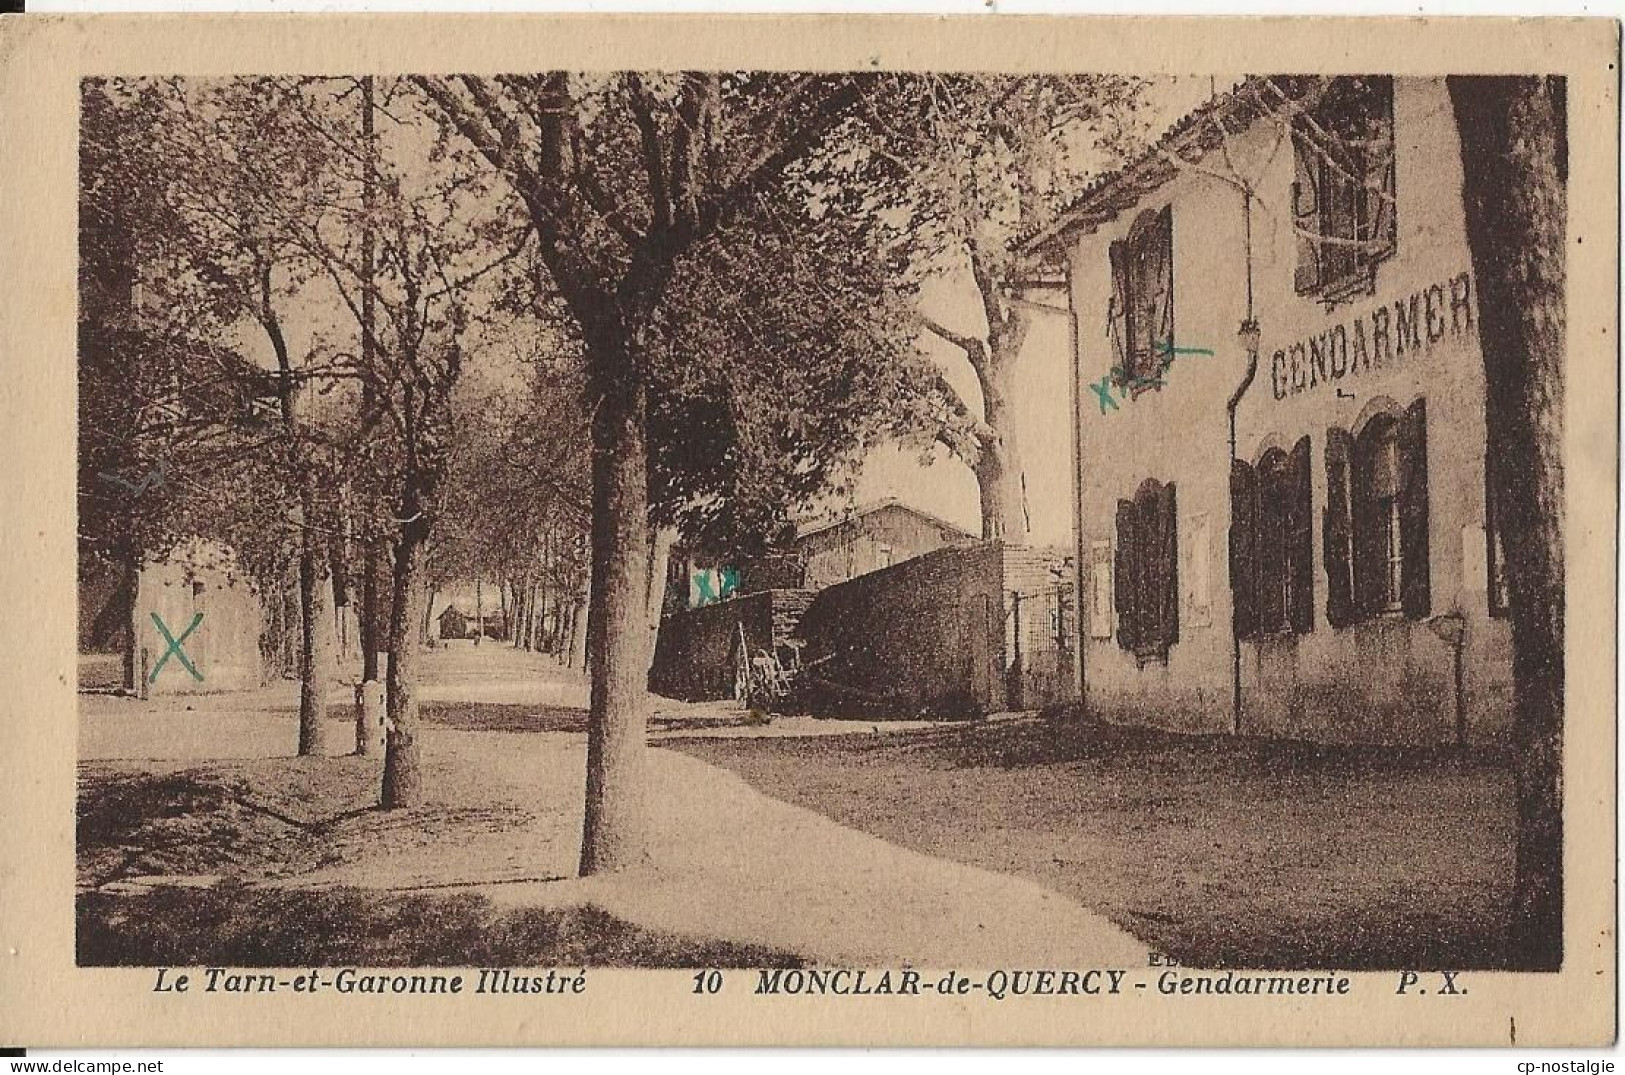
{"x":1376,"y":523}
{"x":1142,"y":307}
{"x":1272,"y":567}
{"x":1343,"y":192}
{"x":1100,"y":586}
{"x":1146,"y":575}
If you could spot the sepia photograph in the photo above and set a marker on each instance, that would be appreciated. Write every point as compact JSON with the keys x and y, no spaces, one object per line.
{"x":568,"y":518}
{"x":819,"y":535}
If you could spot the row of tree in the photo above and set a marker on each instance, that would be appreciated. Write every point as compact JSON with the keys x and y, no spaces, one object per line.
{"x":350,"y":312}
{"x":450,"y":317}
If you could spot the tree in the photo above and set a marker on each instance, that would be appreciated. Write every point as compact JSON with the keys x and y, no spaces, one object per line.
{"x":625,"y":178}
{"x":158,"y":406}
{"x":245,"y":181}
{"x":414,"y":246}
{"x":980,"y":162}
{"x":1515,"y":171}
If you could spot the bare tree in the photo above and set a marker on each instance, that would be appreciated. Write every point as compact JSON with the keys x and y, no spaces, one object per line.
{"x":624,"y":177}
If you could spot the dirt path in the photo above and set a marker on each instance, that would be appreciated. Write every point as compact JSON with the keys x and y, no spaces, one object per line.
{"x":731,"y":863}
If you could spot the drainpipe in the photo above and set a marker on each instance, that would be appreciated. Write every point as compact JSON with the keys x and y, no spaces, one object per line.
{"x":1080,"y":634}
{"x":1249,"y":336}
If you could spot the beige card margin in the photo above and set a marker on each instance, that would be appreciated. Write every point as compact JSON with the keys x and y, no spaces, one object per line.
{"x":46,"y":1001}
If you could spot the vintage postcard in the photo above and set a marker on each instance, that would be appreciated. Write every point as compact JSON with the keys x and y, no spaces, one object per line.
{"x":809,"y":531}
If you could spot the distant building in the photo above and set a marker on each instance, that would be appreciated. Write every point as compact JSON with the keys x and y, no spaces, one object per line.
{"x":869,"y":538}
{"x":453,"y":623}
{"x":200,"y":588}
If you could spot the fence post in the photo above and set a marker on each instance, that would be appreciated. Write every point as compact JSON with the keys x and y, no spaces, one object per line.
{"x":1017,"y":686}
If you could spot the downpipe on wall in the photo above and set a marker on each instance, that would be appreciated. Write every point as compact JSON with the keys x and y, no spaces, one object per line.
{"x":1250,"y":338}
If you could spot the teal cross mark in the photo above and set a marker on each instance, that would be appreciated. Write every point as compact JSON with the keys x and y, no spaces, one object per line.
{"x":175,"y":647}
{"x":1103,"y":392}
{"x":1166,"y":347}
{"x":727,"y":583}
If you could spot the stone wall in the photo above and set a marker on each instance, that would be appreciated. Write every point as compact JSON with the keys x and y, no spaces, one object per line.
{"x":694,"y":653}
{"x":936,"y":635}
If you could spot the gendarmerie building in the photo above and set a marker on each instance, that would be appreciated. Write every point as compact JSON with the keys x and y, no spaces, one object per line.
{"x":1283,"y":526}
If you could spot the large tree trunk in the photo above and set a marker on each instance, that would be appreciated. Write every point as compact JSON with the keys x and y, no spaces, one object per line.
{"x":314,"y":632}
{"x":403,"y":779}
{"x":998,"y":461}
{"x":616,"y":829}
{"x":1514,"y":159}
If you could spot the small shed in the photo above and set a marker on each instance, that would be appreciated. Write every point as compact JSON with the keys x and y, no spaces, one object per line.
{"x":453,"y":623}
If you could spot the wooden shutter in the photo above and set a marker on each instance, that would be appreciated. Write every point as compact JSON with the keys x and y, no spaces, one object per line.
{"x":1337,"y":529}
{"x":1369,"y":568}
{"x":1379,"y":222}
{"x":1166,"y":577}
{"x":1162,"y":335}
{"x":1378,"y":219}
{"x":1243,"y":549}
{"x":1306,"y":214}
{"x":1413,"y":510}
{"x":1301,"y":538}
{"x":1124,"y":576}
{"x":1118,"y":313}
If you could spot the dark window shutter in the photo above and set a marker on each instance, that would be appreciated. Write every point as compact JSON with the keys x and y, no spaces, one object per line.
{"x":1118,"y":328}
{"x":1271,"y":544}
{"x":1301,"y":538}
{"x":1162,"y":345}
{"x":1413,"y":510}
{"x":1167,"y":576}
{"x":1124,"y":576}
{"x":1378,"y":219}
{"x":1306,"y":213}
{"x":1337,"y":529}
{"x":1243,"y":549}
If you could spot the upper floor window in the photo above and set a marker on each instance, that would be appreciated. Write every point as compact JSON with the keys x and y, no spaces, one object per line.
{"x":1343,"y":188}
{"x":1272,"y":567}
{"x":1146,"y":571}
{"x":1376,"y":522}
{"x":1142,"y":306}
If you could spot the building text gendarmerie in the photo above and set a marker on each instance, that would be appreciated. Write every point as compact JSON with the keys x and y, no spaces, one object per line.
{"x":1388,"y":332}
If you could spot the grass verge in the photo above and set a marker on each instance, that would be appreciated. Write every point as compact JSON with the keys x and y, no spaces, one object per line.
{"x":242,"y":927}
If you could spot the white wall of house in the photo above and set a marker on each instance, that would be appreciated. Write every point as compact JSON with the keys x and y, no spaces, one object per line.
{"x":1390,"y":679}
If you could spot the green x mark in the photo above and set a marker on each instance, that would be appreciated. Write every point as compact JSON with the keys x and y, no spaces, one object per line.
{"x":175,"y":647}
{"x":1167,"y":348}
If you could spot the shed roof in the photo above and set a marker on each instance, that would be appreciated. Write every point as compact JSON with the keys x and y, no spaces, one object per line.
{"x":873,"y":507}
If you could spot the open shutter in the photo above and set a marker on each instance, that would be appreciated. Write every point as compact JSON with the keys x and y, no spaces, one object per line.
{"x":1117,"y":326}
{"x":1167,"y":574}
{"x":1162,"y":341}
{"x":1124,"y":576}
{"x":1377,"y":216}
{"x":1337,"y":529}
{"x":1369,"y":569}
{"x":1379,"y":221}
{"x":1243,"y":549}
{"x":1306,"y":214}
{"x":1301,"y":539}
{"x":1413,"y":510}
